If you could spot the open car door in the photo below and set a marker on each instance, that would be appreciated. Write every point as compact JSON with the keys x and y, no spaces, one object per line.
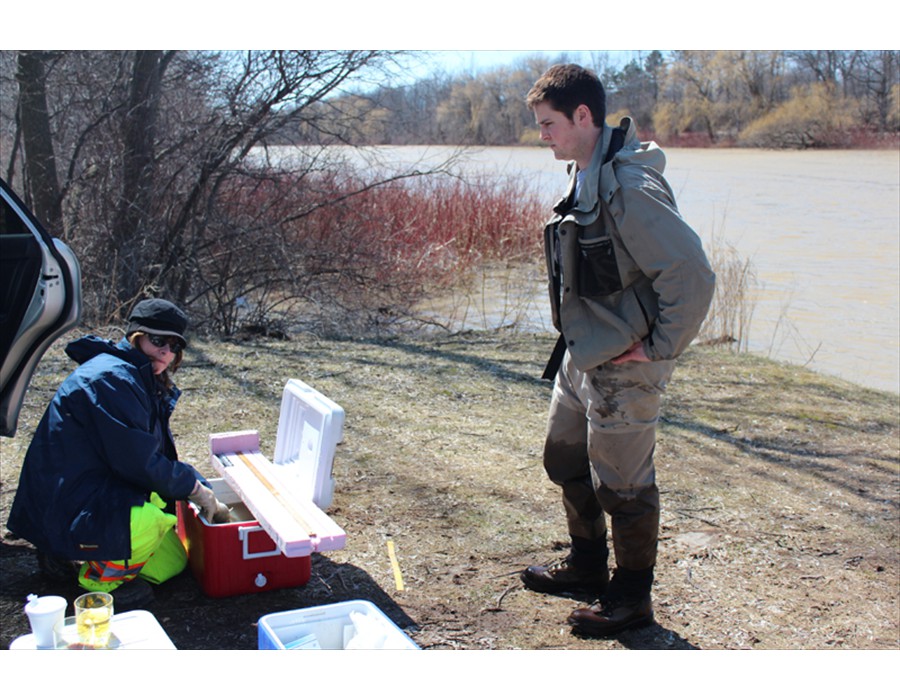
{"x":40,"y":299}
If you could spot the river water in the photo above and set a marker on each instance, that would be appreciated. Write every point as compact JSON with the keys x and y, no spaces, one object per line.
{"x":820,"y":228}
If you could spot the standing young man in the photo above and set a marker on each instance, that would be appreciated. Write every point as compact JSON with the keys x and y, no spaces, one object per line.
{"x":629,"y":289}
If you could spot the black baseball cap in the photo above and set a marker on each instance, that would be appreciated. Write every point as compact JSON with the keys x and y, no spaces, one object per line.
{"x":158,"y":316}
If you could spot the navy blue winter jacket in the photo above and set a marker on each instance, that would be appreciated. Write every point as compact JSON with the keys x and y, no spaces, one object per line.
{"x":102,"y":446}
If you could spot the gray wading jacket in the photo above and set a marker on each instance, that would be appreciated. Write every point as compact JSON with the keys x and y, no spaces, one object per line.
{"x":623,"y":265}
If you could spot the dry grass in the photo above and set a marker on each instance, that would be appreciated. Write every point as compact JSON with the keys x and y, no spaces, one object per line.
{"x":731,"y":311}
{"x":780,"y":491}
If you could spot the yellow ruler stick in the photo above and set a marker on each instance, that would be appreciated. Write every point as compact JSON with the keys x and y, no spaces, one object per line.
{"x":275,"y":492}
{"x":398,"y":577}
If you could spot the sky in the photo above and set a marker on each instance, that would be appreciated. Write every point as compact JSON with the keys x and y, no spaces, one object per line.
{"x":504,"y":29}
{"x":482,"y":59}
{"x":479,"y":60}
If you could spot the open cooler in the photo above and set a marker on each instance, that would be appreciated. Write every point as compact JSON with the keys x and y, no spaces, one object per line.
{"x":278,"y":519}
{"x":353,"y":624}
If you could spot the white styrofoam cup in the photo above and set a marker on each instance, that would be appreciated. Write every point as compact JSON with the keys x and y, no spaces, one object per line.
{"x":46,"y":615}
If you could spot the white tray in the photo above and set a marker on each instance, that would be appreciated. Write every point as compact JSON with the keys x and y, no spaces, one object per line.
{"x":135,"y":629}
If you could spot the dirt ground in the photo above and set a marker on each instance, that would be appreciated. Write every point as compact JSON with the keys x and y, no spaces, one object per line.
{"x":780,"y":492}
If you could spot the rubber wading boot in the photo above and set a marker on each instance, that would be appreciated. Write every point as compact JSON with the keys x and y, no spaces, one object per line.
{"x":626,"y":605}
{"x":609,"y":617}
{"x":56,"y":569}
{"x":565,"y":577}
{"x":132,"y":595}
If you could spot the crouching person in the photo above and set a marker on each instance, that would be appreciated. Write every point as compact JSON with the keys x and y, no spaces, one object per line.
{"x":101,"y":475}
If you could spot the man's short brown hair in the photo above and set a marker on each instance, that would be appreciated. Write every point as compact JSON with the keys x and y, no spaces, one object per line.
{"x":567,"y":85}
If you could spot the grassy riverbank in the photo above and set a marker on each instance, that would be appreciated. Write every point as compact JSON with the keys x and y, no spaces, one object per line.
{"x":780,"y":496}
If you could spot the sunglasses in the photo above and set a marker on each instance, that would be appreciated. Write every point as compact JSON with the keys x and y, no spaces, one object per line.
{"x":176,"y":345}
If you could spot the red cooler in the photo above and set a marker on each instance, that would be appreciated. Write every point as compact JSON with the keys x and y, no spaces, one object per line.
{"x":277,"y":513}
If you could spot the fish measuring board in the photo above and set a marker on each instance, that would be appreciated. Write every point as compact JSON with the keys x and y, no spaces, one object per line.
{"x":296,"y":525}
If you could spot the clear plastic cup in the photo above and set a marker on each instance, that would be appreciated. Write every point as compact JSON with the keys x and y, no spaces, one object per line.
{"x":93,"y":617}
{"x":46,"y":614}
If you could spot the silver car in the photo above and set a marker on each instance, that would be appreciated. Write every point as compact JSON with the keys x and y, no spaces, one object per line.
{"x":40,"y":299}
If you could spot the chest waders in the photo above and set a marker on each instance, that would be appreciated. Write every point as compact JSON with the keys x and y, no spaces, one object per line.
{"x":617,"y":140}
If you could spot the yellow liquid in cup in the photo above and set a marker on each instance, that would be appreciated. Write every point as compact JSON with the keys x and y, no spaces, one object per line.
{"x":92,"y":626}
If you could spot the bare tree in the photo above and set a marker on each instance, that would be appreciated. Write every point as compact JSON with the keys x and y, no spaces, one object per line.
{"x":41,"y":182}
{"x":879,"y":73}
{"x":131,"y":225}
{"x":167,"y":184}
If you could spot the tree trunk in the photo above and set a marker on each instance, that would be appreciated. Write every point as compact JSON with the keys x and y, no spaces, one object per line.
{"x":133,"y":230}
{"x":41,"y":182}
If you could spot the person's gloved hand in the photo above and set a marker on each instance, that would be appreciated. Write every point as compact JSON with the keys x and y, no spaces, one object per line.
{"x":213,"y":509}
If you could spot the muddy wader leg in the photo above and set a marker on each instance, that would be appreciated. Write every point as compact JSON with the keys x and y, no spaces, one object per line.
{"x":567,"y":464}
{"x":586,"y":568}
{"x":623,"y":413}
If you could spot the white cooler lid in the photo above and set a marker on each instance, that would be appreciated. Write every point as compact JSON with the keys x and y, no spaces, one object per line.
{"x":310,"y":427}
{"x":287,"y":496}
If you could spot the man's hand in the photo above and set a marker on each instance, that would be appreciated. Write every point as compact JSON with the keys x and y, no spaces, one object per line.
{"x":633,"y":354}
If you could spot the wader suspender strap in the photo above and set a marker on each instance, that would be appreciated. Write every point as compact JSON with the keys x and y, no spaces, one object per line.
{"x":617,"y":139}
{"x":556,"y":358}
